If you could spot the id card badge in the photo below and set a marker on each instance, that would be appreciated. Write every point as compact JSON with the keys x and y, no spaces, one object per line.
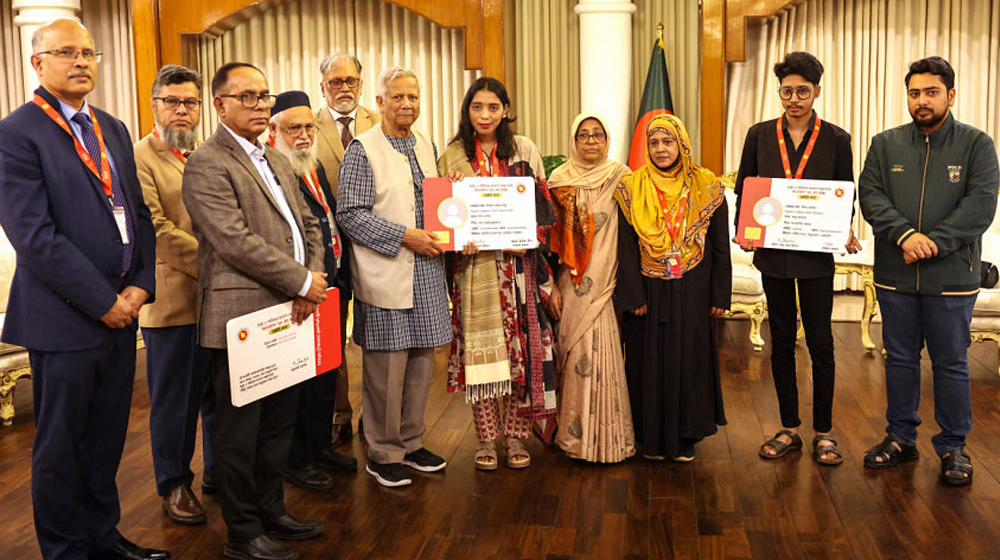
{"x":336,"y":245}
{"x":119,"y":213}
{"x":673,"y":265}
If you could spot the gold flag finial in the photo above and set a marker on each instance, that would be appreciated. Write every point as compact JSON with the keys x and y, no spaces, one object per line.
{"x":659,"y":34}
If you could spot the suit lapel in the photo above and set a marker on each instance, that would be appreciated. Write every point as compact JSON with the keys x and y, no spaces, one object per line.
{"x":288,"y":189}
{"x":166,"y":155}
{"x":330,"y":133}
{"x":365,"y":120}
{"x":225,"y":138}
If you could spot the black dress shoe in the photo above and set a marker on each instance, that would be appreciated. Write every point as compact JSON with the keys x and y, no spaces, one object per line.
{"x":336,"y":462}
{"x":261,"y":548}
{"x":208,"y":485}
{"x":291,"y":528}
{"x":342,"y":434}
{"x":125,"y":549}
{"x":310,"y":478}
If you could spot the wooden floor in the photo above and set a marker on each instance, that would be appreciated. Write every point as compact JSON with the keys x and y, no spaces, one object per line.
{"x":727,"y":504}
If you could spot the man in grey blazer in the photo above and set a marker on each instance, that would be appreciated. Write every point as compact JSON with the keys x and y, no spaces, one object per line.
{"x":336,"y":125}
{"x":259,"y":245}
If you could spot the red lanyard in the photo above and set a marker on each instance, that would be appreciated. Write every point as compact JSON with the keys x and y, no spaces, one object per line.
{"x":674,"y":226}
{"x":173,"y":150}
{"x":316,"y":191}
{"x":494,"y":162}
{"x":805,"y":156}
{"x":104,"y":175}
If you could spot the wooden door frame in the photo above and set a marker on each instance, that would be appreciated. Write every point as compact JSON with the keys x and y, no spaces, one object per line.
{"x":165,"y":30}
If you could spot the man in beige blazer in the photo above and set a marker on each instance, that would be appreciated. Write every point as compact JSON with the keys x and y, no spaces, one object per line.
{"x":259,"y":245}
{"x":336,"y":125}
{"x":176,"y":368}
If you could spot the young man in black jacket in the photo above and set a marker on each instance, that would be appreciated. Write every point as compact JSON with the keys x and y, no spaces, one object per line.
{"x":929,"y":190}
{"x":799,"y":145}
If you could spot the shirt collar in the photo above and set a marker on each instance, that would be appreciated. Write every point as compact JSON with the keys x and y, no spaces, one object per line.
{"x":336,"y":115}
{"x":68,"y":111}
{"x":809,"y":127}
{"x":255,"y":151}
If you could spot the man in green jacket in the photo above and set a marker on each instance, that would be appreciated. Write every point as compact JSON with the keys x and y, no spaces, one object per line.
{"x":929,"y":191}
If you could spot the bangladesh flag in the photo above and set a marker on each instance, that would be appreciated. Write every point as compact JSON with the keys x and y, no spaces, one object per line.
{"x":656,"y":100}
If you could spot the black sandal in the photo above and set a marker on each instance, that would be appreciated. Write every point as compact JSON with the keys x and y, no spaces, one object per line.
{"x":827,"y":449}
{"x":890,"y":454}
{"x":956,"y":468}
{"x":781,"y":448}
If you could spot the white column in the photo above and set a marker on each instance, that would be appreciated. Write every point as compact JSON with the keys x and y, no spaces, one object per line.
{"x":606,"y":67}
{"x":30,"y":15}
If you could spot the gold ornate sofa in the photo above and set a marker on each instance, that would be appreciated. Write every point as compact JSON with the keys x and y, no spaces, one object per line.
{"x":13,"y":359}
{"x":986,"y":314}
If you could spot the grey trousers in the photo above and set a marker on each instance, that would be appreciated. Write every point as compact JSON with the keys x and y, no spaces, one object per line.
{"x":394,"y":397}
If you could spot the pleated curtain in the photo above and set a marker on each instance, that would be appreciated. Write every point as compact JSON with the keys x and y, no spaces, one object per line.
{"x":547,"y":64}
{"x":288,"y":42}
{"x":866,"y":47}
{"x":110,"y":23}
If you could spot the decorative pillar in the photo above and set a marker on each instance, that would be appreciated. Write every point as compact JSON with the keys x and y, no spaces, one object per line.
{"x":30,"y":15}
{"x":606,"y":67}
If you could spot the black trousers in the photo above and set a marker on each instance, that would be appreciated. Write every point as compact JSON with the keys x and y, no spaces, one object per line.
{"x":816,"y":308}
{"x":251,"y":445}
{"x":314,"y":419}
{"x":81,"y":405}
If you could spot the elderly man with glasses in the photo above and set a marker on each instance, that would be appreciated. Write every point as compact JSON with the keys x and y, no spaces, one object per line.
{"x":336,"y":125}
{"x":72,"y":207}
{"x":258,"y":246}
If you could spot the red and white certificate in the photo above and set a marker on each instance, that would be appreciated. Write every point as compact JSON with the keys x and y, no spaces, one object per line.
{"x":795,"y":214}
{"x":268,"y":352}
{"x":493,"y":212}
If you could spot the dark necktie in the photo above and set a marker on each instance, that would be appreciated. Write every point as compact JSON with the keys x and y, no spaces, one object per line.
{"x":117,"y":194}
{"x":346,"y":136}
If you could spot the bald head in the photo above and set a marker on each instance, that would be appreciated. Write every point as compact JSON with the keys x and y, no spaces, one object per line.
{"x":65,"y":60}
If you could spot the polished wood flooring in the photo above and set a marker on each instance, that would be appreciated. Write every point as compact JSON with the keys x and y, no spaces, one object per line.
{"x":727,"y":504}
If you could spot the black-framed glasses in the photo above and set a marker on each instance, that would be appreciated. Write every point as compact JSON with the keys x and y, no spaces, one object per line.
{"x":297,"y":129}
{"x":172,"y":103}
{"x":71,"y":54}
{"x":251,"y":100}
{"x":802,"y":92}
{"x":337,"y":83}
{"x":583,"y":137}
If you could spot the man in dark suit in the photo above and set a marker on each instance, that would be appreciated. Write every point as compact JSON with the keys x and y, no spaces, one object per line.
{"x":293,"y":133}
{"x":258,"y":246}
{"x":71,"y":204}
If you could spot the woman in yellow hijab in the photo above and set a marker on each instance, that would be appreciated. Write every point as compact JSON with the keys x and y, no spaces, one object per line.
{"x":674,"y":280}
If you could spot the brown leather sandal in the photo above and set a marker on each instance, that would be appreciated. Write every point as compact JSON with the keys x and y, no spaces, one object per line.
{"x":517,"y":456}
{"x":486,"y":456}
{"x":781,"y":448}
{"x":826,"y":449}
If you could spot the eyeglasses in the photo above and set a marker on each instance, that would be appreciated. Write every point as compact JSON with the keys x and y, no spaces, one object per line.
{"x":802,"y":92}
{"x":71,"y":54}
{"x":172,"y":103}
{"x":337,"y":83}
{"x":583,"y":137}
{"x":251,"y":100}
{"x":297,"y":129}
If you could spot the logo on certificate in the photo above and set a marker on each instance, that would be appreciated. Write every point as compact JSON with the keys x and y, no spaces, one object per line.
{"x":243,"y":335}
{"x":453,"y":213}
{"x":520,"y":188}
{"x":839,"y":193}
{"x":767,"y":211}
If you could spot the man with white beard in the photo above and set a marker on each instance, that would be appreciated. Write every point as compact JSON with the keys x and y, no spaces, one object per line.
{"x":336,"y":125}
{"x":176,"y":367}
{"x":293,"y":133}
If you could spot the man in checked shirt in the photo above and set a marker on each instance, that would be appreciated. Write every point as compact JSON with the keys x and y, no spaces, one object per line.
{"x":401,"y":302}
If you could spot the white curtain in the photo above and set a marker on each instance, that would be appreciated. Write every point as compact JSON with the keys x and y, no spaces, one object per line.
{"x":547,"y":64}
{"x":11,"y":80}
{"x":110,"y":23}
{"x":288,"y":41}
{"x":865,"y":47}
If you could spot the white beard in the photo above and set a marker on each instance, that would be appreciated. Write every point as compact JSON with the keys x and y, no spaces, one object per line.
{"x":182,"y":141}
{"x":303,"y":161}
